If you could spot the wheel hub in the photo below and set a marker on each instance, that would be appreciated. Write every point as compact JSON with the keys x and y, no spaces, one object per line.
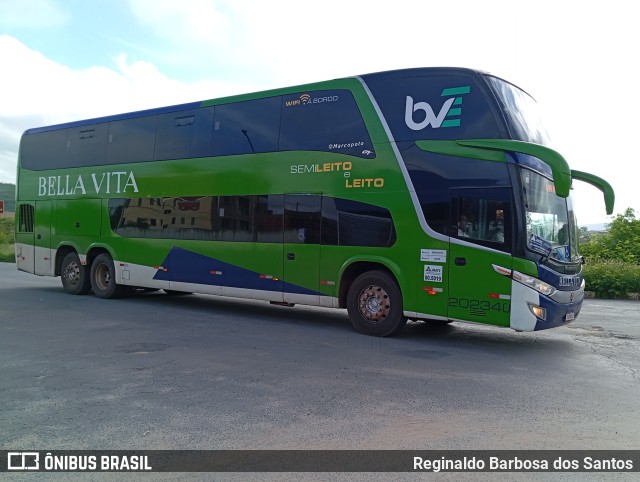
{"x":72,"y":273}
{"x":103,"y":277}
{"x":374,"y":304}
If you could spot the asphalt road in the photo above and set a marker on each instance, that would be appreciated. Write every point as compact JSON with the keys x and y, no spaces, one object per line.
{"x":201,"y":372}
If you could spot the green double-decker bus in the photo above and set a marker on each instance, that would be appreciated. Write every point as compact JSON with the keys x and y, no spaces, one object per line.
{"x":426,"y":194}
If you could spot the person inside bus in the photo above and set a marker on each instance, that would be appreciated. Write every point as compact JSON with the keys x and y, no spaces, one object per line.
{"x":463,"y":226}
{"x":496,"y":227}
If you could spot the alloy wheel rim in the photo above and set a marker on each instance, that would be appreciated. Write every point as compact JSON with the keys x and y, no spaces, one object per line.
{"x":374,"y":304}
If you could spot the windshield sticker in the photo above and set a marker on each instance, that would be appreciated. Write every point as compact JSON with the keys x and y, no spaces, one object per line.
{"x":540,"y":245}
{"x":562,"y":253}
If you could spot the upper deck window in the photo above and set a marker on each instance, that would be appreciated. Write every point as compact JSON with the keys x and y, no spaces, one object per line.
{"x":324,"y":120}
{"x":184,"y":134}
{"x":521,"y":112}
{"x":247,"y":127}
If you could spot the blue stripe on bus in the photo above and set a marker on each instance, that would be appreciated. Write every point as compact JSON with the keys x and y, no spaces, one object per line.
{"x":188,"y":267}
{"x":556,"y":313}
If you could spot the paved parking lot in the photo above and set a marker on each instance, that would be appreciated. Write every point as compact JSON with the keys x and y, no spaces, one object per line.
{"x":200,"y":372}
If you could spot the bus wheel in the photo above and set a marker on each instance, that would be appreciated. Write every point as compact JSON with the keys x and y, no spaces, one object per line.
{"x":74,"y":276}
{"x":374,"y":304}
{"x":103,"y":278}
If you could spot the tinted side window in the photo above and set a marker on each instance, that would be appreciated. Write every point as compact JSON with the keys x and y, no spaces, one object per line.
{"x":209,"y":218}
{"x":44,"y":150}
{"x":247,"y":127}
{"x":238,"y":219}
{"x":184,"y":134}
{"x":136,"y":217}
{"x":302,"y":219}
{"x":131,"y":140}
{"x":434,"y":175}
{"x":189,"y":217}
{"x":233,"y":218}
{"x":483,"y":216}
{"x":353,"y":223}
{"x":270,"y":218}
{"x":87,"y":145}
{"x":327,"y":120}
{"x":273,"y":218}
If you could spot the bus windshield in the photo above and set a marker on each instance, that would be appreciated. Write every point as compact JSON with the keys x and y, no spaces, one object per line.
{"x":550,"y":219}
{"x":521,"y":111}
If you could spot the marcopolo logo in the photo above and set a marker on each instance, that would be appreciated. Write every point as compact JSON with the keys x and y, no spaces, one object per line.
{"x":448,"y":116}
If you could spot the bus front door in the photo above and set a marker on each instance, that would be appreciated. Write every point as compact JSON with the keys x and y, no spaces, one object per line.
{"x":480,"y":246}
{"x":301,"y":249}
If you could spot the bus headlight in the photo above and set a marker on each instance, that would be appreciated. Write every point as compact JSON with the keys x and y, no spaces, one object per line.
{"x":538,"y":311}
{"x":538,"y":285}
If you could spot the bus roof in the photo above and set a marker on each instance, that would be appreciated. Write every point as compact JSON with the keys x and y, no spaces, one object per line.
{"x":389,"y":74}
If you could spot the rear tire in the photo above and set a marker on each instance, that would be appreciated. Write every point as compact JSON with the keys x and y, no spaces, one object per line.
{"x":374,"y":304}
{"x":103,"y":278}
{"x":74,"y":275}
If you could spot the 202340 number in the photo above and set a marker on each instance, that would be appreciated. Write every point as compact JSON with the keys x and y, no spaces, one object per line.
{"x":482,"y":305}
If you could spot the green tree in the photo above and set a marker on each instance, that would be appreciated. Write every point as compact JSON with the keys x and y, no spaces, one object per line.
{"x":620,"y":242}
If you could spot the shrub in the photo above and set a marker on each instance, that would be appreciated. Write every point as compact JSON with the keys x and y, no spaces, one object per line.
{"x":7,"y":239}
{"x":620,"y":242}
{"x":612,"y":279}
{"x":7,"y":230}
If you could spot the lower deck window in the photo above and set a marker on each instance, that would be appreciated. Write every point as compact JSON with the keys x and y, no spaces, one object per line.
{"x":273,"y":218}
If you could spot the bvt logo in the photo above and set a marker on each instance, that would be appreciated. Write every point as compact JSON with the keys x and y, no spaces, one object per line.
{"x":444,"y":117}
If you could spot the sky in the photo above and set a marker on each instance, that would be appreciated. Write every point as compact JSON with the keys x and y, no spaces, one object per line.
{"x":64,"y":60}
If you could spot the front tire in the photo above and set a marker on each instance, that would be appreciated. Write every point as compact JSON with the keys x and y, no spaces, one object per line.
{"x":103,"y":278}
{"x":74,"y":275}
{"x":374,"y":304}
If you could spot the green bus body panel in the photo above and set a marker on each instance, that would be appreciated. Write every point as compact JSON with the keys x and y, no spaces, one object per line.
{"x":525,"y":266}
{"x":78,"y":217}
{"x":473,"y":287}
{"x":302,"y":267}
{"x":455,"y":148}
{"x":242,"y":174}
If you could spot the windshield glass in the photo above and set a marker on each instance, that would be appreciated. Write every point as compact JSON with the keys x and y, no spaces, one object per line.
{"x":551,"y":223}
{"x":522,"y":112}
